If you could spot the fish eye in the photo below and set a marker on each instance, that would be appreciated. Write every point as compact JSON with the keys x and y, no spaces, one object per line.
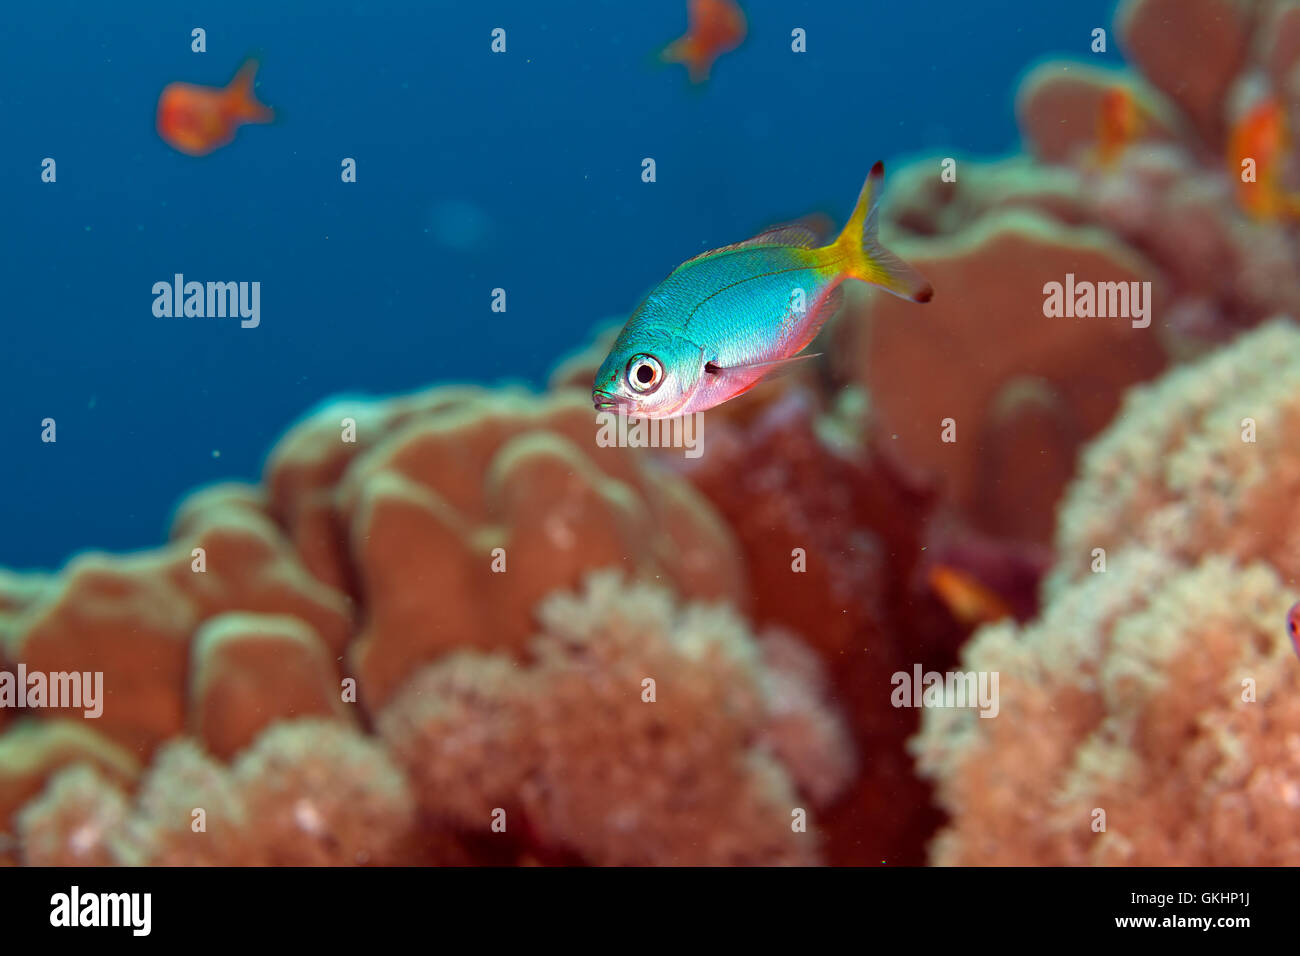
{"x":644,"y":372}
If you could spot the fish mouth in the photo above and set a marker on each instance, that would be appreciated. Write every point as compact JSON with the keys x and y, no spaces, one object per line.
{"x":606,"y":400}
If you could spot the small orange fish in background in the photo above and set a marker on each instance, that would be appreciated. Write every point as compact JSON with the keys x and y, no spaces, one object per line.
{"x":1261,"y":135}
{"x":1119,"y":122}
{"x":714,"y":28}
{"x":199,"y":119}
{"x":967,"y":599}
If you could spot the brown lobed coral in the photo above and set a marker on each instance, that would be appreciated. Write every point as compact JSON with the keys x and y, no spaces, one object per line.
{"x":132,"y":617}
{"x":1019,"y":412}
{"x":243,"y":662}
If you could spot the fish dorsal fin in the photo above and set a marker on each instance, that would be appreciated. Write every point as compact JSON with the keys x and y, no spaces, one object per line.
{"x":798,"y":233}
{"x":787,"y":234}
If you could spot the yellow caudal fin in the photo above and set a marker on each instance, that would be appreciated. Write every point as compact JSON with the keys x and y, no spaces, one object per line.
{"x":867,"y":259}
{"x":244,"y":102}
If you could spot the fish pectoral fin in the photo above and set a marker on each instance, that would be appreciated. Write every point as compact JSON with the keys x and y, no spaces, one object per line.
{"x":774,"y":369}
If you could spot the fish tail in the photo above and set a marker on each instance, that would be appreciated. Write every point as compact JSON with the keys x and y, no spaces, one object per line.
{"x":675,"y":52}
{"x":686,"y":52}
{"x":244,"y":102}
{"x":867,"y":259}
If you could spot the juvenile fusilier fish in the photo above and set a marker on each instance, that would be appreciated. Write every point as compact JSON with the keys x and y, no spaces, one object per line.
{"x":1119,"y":123}
{"x":1261,"y":135}
{"x":716,"y":26}
{"x":726,"y":319}
{"x":969,"y":601}
{"x":199,"y":119}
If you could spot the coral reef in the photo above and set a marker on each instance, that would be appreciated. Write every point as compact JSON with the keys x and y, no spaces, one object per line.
{"x":1159,"y":684}
{"x":161,"y":831}
{"x":132,"y":617}
{"x":587,"y":768}
{"x":1203,"y":461}
{"x":1055,"y":108}
{"x":1167,"y":207}
{"x":244,"y":662}
{"x":31,"y":751}
{"x":831,"y":526}
{"x":836,"y":530}
{"x":1150,"y":716}
{"x":1163,"y":36}
{"x":1125,"y":694}
{"x":473,"y":472}
{"x":641,"y":734}
{"x":249,"y":670}
{"x":1174,"y":192}
{"x":306,"y":793}
{"x":77,"y":821}
{"x":1021,"y":411}
{"x":451,"y":627}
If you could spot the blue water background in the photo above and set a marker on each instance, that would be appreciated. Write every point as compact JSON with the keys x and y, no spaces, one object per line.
{"x":475,"y":171}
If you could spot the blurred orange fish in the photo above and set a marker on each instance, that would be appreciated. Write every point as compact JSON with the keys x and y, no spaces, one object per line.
{"x":1119,"y":122}
{"x":198,"y":119}
{"x":1261,"y":135}
{"x":967,"y":599}
{"x":714,"y":28}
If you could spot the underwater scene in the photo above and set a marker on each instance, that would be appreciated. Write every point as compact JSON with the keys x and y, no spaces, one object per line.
{"x":691,"y":433}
